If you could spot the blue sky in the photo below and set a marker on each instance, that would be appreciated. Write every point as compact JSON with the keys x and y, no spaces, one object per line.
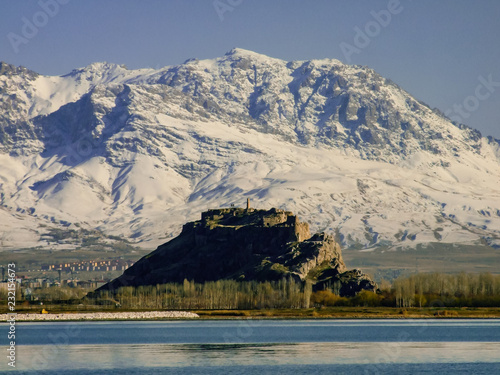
{"x":444,"y":52}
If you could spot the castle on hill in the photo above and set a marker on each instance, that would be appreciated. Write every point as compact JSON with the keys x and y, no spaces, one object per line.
{"x":236,"y":218}
{"x":247,"y":244}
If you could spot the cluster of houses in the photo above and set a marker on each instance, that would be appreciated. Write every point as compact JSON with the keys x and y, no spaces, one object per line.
{"x":67,"y":275}
{"x":89,"y":265}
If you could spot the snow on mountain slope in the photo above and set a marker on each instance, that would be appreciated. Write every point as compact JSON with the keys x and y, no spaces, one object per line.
{"x":136,"y":153}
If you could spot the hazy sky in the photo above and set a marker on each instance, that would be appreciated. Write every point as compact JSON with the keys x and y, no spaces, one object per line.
{"x":446,"y":53}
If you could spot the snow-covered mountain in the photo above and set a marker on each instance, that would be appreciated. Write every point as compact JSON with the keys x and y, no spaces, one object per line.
{"x":134,"y":154}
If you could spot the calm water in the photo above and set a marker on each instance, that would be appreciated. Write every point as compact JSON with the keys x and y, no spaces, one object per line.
{"x":259,"y":347}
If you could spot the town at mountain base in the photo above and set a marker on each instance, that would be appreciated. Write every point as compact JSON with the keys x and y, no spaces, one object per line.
{"x":247,"y":244}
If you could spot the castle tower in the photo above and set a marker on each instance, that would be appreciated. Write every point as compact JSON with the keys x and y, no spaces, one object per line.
{"x":248,"y":204}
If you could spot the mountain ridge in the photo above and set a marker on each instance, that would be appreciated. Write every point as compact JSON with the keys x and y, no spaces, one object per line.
{"x":145,"y":149}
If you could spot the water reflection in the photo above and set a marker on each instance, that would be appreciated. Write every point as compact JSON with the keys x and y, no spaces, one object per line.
{"x":208,"y":355}
{"x":208,"y":346}
{"x":261,"y":331}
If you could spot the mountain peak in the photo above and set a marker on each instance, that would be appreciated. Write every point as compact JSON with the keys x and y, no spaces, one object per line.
{"x":9,"y":70}
{"x":340,"y":144}
{"x":99,"y":69}
{"x":238,"y":53}
{"x":104,"y":65}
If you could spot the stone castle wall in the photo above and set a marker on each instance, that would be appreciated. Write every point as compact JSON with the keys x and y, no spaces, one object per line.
{"x":226,"y":221}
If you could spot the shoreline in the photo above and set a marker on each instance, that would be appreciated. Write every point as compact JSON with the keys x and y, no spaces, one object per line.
{"x":99,"y":316}
{"x":285,"y":314}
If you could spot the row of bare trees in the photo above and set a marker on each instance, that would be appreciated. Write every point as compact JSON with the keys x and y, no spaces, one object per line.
{"x":418,"y":290}
{"x":437,"y":289}
{"x":221,"y":294}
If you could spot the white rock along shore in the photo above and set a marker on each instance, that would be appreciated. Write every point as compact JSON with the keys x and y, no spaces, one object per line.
{"x":101,"y":316}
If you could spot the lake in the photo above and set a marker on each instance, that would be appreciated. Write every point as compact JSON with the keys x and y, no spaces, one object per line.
{"x":259,"y":347}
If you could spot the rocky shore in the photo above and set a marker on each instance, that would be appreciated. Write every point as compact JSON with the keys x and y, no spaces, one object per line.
{"x":102,"y":316}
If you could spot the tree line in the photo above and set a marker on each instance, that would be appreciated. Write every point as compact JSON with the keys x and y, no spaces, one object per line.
{"x":418,"y":290}
{"x":221,"y":294}
{"x":457,"y":290}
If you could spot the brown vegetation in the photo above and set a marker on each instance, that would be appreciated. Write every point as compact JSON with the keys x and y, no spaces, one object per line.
{"x":420,"y":294}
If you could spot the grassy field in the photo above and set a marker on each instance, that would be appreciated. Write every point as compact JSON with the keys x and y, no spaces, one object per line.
{"x":443,"y":258}
{"x":354,"y":313}
{"x":312,"y":313}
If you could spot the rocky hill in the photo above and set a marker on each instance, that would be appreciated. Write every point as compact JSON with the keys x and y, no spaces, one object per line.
{"x":246,"y":244}
{"x":145,"y":150}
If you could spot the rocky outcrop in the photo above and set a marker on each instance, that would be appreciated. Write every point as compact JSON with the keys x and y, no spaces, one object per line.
{"x":247,"y":244}
{"x":347,"y":283}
